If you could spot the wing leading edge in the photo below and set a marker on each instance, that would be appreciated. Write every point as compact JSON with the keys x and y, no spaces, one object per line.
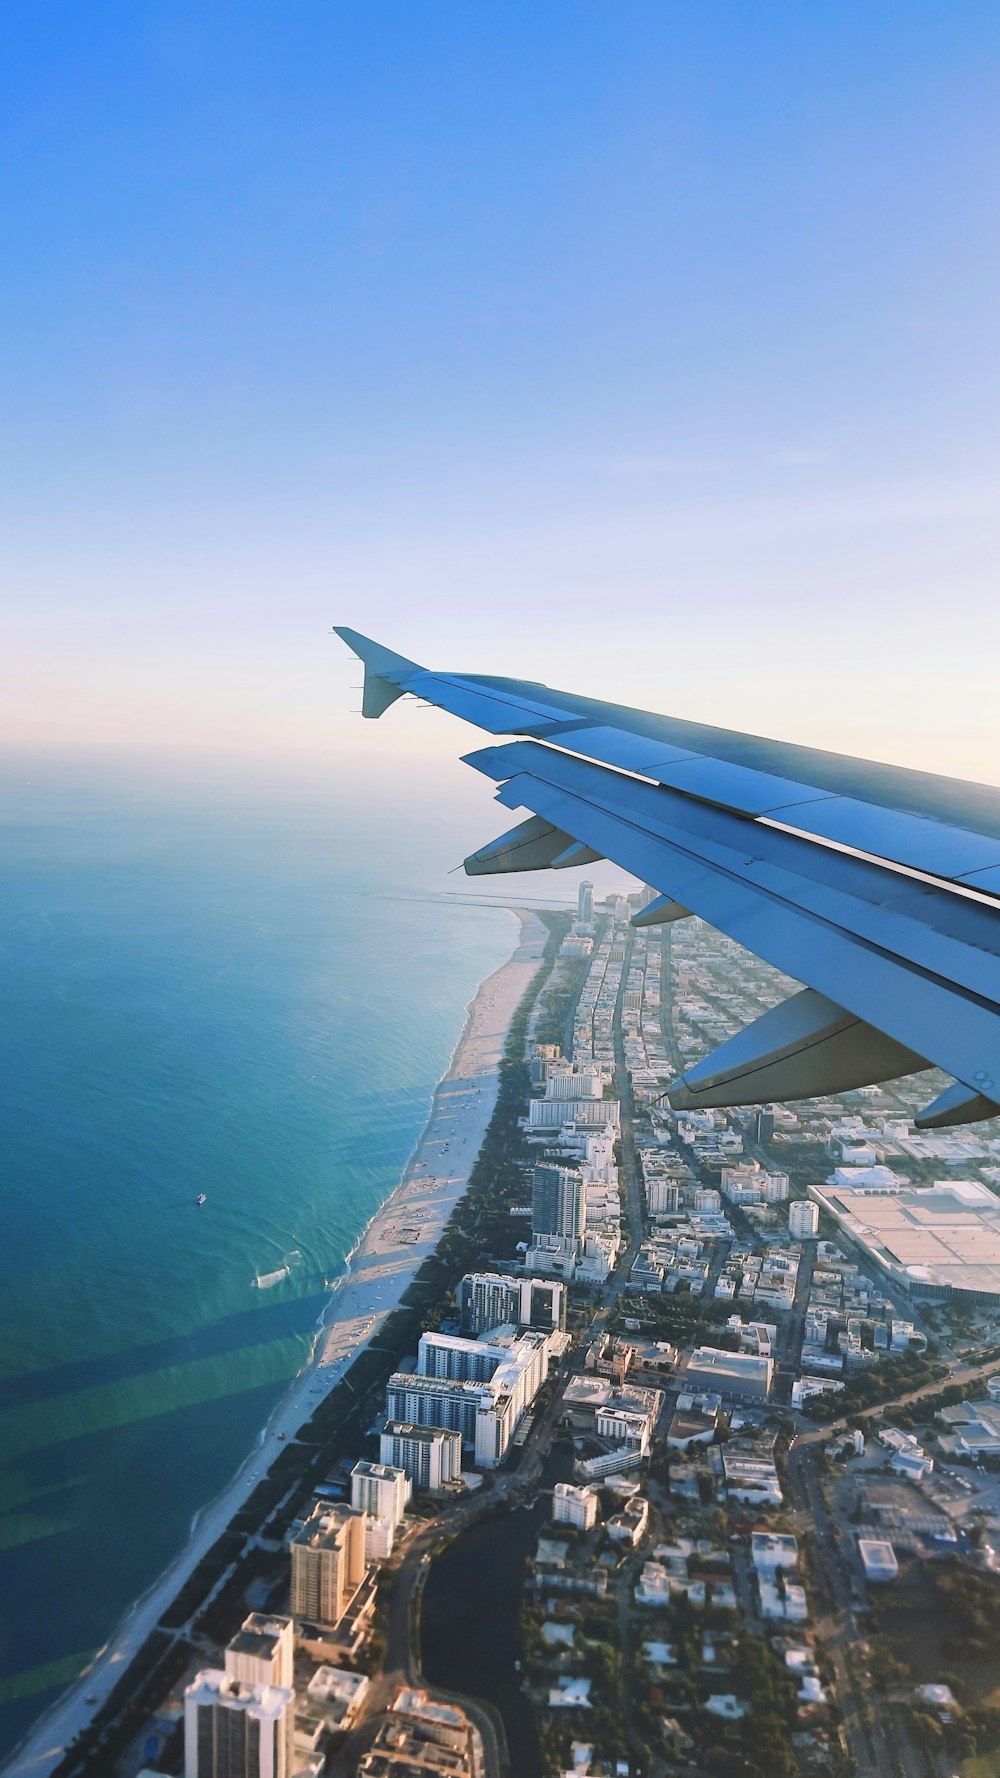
{"x":876,"y":886}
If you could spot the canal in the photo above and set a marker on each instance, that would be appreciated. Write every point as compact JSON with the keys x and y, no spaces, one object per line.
{"x":469,"y":1630}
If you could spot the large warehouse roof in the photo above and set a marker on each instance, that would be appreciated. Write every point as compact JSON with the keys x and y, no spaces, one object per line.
{"x":945,"y":1236}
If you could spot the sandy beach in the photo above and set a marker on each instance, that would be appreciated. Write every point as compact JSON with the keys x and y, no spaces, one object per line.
{"x":387,"y":1257}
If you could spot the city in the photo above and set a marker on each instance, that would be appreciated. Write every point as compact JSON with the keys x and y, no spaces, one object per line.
{"x":726,"y":1461}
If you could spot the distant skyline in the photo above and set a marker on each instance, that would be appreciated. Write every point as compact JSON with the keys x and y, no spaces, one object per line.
{"x":651,"y":351}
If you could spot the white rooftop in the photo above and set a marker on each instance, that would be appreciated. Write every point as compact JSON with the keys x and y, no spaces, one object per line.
{"x":946,"y":1235}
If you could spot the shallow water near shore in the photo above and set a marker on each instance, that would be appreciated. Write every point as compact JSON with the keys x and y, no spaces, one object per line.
{"x":186,"y":1006}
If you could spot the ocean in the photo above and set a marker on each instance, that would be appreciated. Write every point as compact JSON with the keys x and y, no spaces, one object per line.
{"x":238,"y":995}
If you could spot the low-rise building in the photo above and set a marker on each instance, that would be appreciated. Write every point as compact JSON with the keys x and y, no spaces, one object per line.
{"x":693,"y":1422}
{"x":653,"y":1587}
{"x":972,"y":1429}
{"x":421,"y":1736}
{"x":785,"y":1601}
{"x":878,"y":1559}
{"x":729,"y":1373}
{"x":751,"y":1477}
{"x":629,"y":1526}
{"x":771,"y":1550}
{"x":340,"y":1691}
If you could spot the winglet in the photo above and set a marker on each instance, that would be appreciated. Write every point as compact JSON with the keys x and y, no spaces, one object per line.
{"x":385,"y":672}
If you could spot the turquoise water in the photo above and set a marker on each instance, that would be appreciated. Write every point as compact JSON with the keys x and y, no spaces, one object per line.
{"x":193,"y":997}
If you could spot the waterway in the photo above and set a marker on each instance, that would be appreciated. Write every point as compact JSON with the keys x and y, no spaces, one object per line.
{"x":469,"y":1623}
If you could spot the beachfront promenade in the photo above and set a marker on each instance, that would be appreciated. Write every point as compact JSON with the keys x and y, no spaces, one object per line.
{"x":403,"y":1234}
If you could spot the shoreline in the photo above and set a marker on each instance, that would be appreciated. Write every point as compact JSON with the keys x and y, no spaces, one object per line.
{"x":378,"y":1269}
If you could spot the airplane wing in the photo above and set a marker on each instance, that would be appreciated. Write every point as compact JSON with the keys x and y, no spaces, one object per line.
{"x":876,"y":886}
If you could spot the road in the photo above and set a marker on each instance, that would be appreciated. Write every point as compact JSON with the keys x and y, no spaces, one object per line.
{"x":970,"y":1373}
{"x":835,"y":1624}
{"x":634,"y":1201}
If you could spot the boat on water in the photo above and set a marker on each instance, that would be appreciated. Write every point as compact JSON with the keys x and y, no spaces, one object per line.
{"x":202,"y":1198}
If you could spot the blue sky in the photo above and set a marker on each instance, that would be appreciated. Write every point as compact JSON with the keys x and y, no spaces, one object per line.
{"x":650,"y":349}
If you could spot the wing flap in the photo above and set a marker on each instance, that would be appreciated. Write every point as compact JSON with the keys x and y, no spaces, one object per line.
{"x":804,"y":1048}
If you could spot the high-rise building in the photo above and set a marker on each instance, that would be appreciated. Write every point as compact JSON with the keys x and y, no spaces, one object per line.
{"x":803,"y":1219}
{"x":435,"y":1401}
{"x":663,"y":1196}
{"x":430,"y":1456}
{"x":458,"y":1359}
{"x":381,"y":1491}
{"x":262,"y":1653}
{"x":233,"y":1730}
{"x":763,"y":1124}
{"x":567,"y":1082}
{"x":512,"y":1358}
{"x":478,"y":1388}
{"x":491,"y":1299}
{"x":574,"y":1506}
{"x":776,"y":1188}
{"x":585,"y":904}
{"x":483,"y":1413}
{"x":328,"y":1565}
{"x":558,"y":1202}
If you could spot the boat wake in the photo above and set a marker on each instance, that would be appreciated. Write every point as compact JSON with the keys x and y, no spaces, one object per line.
{"x":267,"y":1280}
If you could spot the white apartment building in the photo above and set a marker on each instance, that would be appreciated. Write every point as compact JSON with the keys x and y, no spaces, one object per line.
{"x":663,"y":1196}
{"x":574,"y":1506}
{"x":431,"y":1457}
{"x":482,"y":1413}
{"x":381,"y":1491}
{"x":551,"y":1114}
{"x":631,"y":1427}
{"x":803,"y":1219}
{"x":492,"y":1299}
{"x":566,"y":1081}
{"x":771,"y":1550}
{"x":262,"y":1653}
{"x":514,"y":1359}
{"x":233,"y":1730}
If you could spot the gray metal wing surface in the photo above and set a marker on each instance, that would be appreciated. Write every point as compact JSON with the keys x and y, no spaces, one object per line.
{"x":877,"y":887}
